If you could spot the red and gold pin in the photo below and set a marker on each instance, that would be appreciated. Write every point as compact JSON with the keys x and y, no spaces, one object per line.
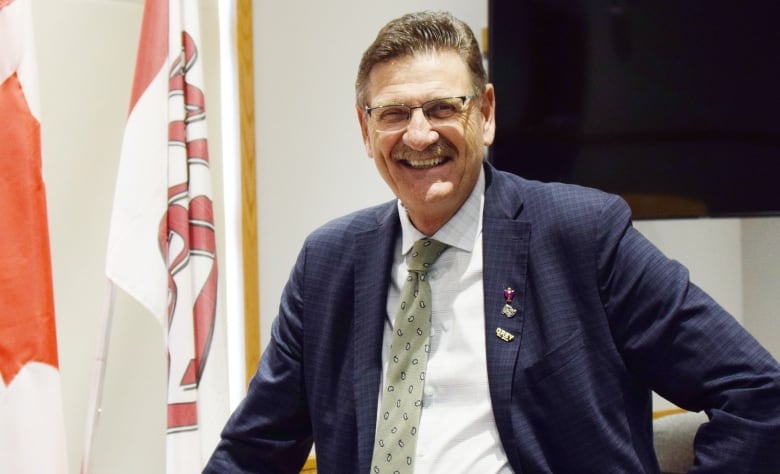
{"x":508,"y":310}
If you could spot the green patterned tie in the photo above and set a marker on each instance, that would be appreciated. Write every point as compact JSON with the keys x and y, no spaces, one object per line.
{"x":396,"y":432}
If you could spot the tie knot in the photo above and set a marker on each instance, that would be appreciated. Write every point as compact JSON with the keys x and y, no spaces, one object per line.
{"x":424,"y":253}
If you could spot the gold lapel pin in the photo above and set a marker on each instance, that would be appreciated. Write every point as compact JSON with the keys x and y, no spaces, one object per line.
{"x":504,"y":335}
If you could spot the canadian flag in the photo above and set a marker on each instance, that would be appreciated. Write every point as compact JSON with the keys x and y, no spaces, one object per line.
{"x":32,"y":430}
{"x":162,"y":245}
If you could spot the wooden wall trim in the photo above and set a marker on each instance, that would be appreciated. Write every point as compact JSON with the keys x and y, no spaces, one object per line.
{"x":246,"y":108}
{"x":669,"y":411}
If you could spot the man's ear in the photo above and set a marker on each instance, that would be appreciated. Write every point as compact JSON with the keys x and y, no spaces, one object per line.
{"x":363,"y":120}
{"x":488,"y":111}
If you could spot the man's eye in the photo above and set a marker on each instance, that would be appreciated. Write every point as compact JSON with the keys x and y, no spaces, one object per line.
{"x":442,"y":110}
{"x":392,"y":114}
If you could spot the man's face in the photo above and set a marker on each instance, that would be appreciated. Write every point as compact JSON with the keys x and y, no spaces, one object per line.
{"x":432,"y":169}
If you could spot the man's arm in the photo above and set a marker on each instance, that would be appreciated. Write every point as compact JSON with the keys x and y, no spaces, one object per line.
{"x":270,"y":431}
{"x":690,"y":350}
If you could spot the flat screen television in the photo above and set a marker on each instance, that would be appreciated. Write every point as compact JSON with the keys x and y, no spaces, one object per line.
{"x":675,"y":105}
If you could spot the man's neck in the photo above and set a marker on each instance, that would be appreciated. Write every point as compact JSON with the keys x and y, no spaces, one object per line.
{"x":429,"y":223}
{"x":430,"y":218}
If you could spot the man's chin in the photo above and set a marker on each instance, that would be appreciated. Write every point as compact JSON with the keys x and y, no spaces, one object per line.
{"x":437,"y":193}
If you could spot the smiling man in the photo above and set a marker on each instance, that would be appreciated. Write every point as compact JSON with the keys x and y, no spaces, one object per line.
{"x":484,"y":323}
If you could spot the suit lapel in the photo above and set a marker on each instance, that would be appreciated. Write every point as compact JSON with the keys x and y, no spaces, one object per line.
{"x":371,"y":284}
{"x":505,"y":241}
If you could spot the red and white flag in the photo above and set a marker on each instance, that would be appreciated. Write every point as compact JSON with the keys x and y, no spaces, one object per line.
{"x":32,"y":429}
{"x":162,"y":246}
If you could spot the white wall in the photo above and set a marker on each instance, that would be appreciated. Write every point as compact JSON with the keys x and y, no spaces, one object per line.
{"x":311,"y":167}
{"x":761,"y":280}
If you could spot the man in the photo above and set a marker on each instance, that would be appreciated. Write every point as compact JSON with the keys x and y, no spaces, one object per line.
{"x":552,"y":318}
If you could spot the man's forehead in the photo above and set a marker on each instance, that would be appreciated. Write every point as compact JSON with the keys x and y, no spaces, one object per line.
{"x":421,"y":74}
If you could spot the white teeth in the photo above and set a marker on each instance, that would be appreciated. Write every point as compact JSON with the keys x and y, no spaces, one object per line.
{"x":419,"y":164}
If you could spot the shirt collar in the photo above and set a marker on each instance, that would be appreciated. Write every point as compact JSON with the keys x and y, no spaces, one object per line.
{"x":460,"y":231}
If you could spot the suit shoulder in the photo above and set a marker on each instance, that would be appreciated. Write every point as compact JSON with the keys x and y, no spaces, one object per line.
{"x":553,"y":199}
{"x":338,"y":231}
{"x":571,"y":202}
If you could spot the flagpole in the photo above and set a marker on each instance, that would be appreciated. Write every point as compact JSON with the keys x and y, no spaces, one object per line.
{"x":98,"y":376}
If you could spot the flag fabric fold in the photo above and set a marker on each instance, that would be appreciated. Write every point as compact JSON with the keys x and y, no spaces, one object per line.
{"x":162,"y":244}
{"x":32,"y":429}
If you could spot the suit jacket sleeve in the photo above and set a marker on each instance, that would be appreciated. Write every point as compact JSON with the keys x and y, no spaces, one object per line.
{"x":690,"y":350}
{"x":270,"y":431}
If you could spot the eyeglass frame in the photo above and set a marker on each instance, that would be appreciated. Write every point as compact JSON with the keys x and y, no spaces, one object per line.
{"x":463,"y":98}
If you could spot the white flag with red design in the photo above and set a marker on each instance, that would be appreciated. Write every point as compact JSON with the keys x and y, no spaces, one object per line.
{"x":32,"y":429}
{"x":162,"y":246}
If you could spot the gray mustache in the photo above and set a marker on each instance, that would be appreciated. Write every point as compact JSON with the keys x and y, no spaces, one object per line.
{"x":441,"y":148}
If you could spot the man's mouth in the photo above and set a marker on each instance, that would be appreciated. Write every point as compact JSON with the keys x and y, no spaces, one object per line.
{"x":424,"y":163}
{"x":433,"y":156}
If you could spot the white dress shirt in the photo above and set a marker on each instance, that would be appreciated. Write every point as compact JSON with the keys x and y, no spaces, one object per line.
{"x":457,"y":431}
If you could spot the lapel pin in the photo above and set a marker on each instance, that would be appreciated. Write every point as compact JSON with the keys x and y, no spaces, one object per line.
{"x":508,"y":310}
{"x":504,"y":335}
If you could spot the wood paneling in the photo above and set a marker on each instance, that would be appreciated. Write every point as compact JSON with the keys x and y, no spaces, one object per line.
{"x":246,"y":101}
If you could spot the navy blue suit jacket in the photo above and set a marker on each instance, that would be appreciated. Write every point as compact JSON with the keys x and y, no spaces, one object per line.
{"x":603,"y":318}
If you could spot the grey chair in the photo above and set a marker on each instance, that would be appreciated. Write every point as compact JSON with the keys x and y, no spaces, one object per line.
{"x":673,"y":436}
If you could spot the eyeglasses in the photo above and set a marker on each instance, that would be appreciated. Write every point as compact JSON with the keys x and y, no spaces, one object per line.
{"x":395,"y":117}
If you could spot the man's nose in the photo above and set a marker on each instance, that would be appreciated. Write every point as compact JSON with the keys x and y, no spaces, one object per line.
{"x":419,"y":134}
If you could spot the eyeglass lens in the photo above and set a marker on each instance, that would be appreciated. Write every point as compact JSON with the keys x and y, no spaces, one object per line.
{"x":437,"y":111}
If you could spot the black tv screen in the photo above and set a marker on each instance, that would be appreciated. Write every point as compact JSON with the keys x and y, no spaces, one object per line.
{"x":675,"y":105}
